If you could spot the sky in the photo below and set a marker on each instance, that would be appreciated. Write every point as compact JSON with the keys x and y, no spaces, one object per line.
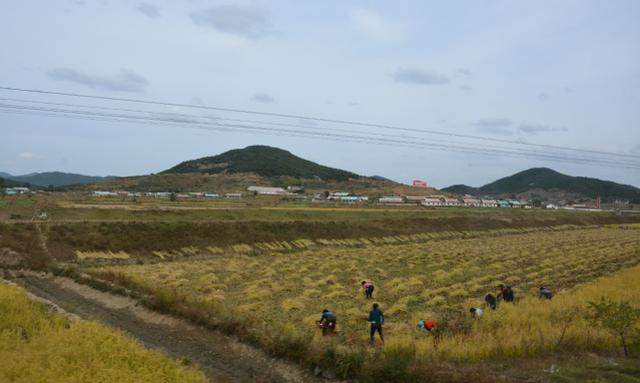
{"x":563,"y":73}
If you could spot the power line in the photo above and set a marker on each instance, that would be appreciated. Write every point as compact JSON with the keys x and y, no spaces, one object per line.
{"x":319,"y":134}
{"x":310,"y":118}
{"x":193,"y":117}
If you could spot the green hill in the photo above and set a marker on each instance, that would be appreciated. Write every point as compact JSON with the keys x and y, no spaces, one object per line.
{"x":9,"y":183}
{"x":54,"y":178}
{"x":264,"y":161}
{"x":550,"y":180}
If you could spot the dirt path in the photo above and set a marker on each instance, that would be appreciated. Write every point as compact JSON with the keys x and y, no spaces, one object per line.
{"x":222,"y":358}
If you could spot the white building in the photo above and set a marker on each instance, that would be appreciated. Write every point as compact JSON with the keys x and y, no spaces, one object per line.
{"x":489,"y":203}
{"x":103,"y":193}
{"x":432,"y":201}
{"x":471,"y":202}
{"x":266,"y":190}
{"x":233,"y":195}
{"x":451,"y":202}
{"x":393,"y":199}
{"x":211,"y":195}
{"x":16,"y":190}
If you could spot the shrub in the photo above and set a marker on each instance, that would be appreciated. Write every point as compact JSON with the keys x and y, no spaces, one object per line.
{"x":618,"y":317}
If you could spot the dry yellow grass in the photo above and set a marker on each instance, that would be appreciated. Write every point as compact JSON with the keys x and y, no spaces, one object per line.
{"x":39,"y":346}
{"x":273,"y":292}
{"x":84,"y":255}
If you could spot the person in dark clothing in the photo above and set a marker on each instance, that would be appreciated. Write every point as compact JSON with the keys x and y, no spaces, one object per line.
{"x":506,"y":293}
{"x":545,"y":293}
{"x":376,"y":318}
{"x":491,"y":301}
{"x":327,"y":322}
{"x":368,"y":289}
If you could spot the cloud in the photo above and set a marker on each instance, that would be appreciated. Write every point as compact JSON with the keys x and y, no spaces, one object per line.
{"x":375,"y":26}
{"x":493,"y":123}
{"x":533,"y":129}
{"x":245,"y":21}
{"x":543,"y":96}
{"x":353,"y":104}
{"x":263,"y":97}
{"x":635,"y":149}
{"x":496,"y":126}
{"x":419,"y":76}
{"x":150,"y":10}
{"x":307,"y":123}
{"x":125,"y":81}
{"x":30,"y":156}
{"x":465,"y":87}
{"x":463,"y":72}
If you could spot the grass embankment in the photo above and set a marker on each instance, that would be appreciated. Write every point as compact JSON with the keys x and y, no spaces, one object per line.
{"x":37,"y":345}
{"x":63,"y":239}
{"x":274,"y":299}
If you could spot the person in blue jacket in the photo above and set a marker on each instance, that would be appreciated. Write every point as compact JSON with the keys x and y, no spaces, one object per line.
{"x":327,"y":322}
{"x":376,"y":318}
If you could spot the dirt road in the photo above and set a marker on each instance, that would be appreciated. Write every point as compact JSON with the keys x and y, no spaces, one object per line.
{"x":222,"y":358}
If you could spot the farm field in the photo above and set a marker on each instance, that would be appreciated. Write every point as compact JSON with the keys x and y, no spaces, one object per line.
{"x":65,"y":207}
{"x":37,"y":345}
{"x":274,"y":298}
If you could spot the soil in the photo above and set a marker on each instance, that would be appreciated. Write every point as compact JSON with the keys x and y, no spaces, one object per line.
{"x":220,"y":357}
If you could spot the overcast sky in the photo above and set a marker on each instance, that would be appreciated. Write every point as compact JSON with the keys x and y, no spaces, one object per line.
{"x":552,"y":72}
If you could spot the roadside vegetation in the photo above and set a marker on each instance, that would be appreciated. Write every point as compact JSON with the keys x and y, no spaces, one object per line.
{"x":273,"y":299}
{"x":37,"y":345}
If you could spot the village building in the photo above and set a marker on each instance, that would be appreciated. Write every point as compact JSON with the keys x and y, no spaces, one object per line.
{"x":103,"y":193}
{"x":267,"y":190}
{"x":233,"y":195}
{"x":391,"y":200}
{"x":419,"y":183}
{"x":295,"y":188}
{"x":451,"y":202}
{"x":471,"y":202}
{"x":432,"y":201}
{"x":17,"y":190}
{"x":489,"y":203}
{"x":415,"y":199}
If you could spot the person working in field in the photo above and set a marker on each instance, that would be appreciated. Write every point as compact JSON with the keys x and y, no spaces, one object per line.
{"x":426,"y":326}
{"x":476,"y":312}
{"x":376,"y":318}
{"x":506,"y":293}
{"x":327,"y":322}
{"x":491,"y":301}
{"x":368,"y":289}
{"x":545,"y":293}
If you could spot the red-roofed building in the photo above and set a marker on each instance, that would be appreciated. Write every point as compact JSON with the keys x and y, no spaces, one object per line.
{"x":420,"y":183}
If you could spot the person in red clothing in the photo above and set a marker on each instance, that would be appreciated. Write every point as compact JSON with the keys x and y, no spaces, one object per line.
{"x":426,"y":325}
{"x":368,"y":289}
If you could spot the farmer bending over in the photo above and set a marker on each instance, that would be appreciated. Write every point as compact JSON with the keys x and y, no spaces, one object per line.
{"x":368,"y":289}
{"x":426,"y":325}
{"x":327,"y":322}
{"x":376,"y":318}
{"x":545,"y":293}
{"x":491,"y":301}
{"x":506,"y":293}
{"x":476,"y":312}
